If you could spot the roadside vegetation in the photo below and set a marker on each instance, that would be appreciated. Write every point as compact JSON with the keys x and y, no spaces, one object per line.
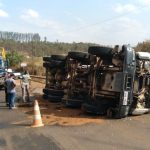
{"x":28,"y":47}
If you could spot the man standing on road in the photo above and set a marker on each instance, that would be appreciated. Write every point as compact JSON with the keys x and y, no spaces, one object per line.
{"x":11,"y":91}
{"x":25,"y":80}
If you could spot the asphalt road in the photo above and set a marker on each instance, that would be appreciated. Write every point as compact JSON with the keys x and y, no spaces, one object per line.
{"x":131,"y":133}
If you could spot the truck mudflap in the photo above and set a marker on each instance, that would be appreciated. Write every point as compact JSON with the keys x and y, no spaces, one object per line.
{"x":126,"y":95}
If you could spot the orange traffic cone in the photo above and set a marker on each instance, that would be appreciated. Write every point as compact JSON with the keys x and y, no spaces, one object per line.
{"x":37,"y":120}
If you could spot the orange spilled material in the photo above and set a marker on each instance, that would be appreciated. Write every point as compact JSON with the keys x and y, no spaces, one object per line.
{"x":37,"y":120}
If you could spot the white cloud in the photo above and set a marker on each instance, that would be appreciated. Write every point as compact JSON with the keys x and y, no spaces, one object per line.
{"x":29,"y":14}
{"x":120,"y":8}
{"x":121,"y":31}
{"x":44,"y":23}
{"x":33,"y":13}
{"x":51,"y":26}
{"x":55,"y":28}
{"x":129,"y":28}
{"x":47,"y":25}
{"x":3,"y":13}
{"x":33,"y":19}
{"x":75,"y":18}
{"x":144,"y":2}
{"x":124,"y":31}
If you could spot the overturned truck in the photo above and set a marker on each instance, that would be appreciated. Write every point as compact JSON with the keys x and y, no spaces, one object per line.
{"x":120,"y":83}
{"x":109,"y":81}
{"x":55,"y":77}
{"x":78,"y":83}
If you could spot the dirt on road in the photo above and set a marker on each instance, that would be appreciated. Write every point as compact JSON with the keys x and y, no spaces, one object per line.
{"x":56,"y":113}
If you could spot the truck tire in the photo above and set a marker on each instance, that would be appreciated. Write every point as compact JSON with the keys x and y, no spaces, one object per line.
{"x":100,"y":51}
{"x":48,"y":65}
{"x":80,"y":56}
{"x":59,"y":57}
{"x":54,"y":99}
{"x":53,"y":92}
{"x":92,"y":109}
{"x":47,"y":58}
{"x":73,"y":103}
{"x":54,"y":63}
{"x":45,"y":96}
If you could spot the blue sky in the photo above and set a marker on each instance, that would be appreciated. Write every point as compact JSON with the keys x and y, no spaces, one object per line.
{"x":103,"y":22}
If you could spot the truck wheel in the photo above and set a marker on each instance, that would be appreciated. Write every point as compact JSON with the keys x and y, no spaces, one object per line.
{"x":47,"y":58}
{"x":53,"y":92}
{"x":57,"y":63}
{"x":100,"y":51}
{"x":54,"y":99}
{"x":59,"y":57}
{"x":45,"y":65}
{"x":72,"y":103}
{"x":80,"y":56}
{"x":45,"y":96}
{"x":91,"y":109}
{"x":54,"y":63}
{"x":48,"y":65}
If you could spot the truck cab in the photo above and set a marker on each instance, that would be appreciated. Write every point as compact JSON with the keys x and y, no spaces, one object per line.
{"x":121,"y":83}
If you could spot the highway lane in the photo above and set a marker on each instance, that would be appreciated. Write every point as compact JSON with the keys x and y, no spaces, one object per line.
{"x":14,"y":136}
{"x":131,"y":133}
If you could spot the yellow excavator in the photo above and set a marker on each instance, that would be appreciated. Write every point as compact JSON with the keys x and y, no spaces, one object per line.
{"x":2,"y":53}
{"x":3,"y":66}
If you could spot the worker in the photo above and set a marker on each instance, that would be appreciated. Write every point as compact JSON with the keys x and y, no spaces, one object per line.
{"x":6,"y":76}
{"x":25,"y":83}
{"x":11,"y":91}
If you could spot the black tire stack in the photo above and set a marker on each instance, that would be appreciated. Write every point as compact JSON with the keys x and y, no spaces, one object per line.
{"x":55,"y":66}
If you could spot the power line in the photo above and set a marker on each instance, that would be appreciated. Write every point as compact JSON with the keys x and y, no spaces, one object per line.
{"x":105,"y":20}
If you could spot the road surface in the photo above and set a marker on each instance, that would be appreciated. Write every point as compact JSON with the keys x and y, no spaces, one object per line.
{"x":131,"y":133}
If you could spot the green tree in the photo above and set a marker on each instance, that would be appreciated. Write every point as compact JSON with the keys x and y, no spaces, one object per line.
{"x":14,"y":58}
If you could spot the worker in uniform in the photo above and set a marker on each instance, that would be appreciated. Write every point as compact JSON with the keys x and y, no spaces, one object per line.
{"x":11,"y":91}
{"x":25,"y":85}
